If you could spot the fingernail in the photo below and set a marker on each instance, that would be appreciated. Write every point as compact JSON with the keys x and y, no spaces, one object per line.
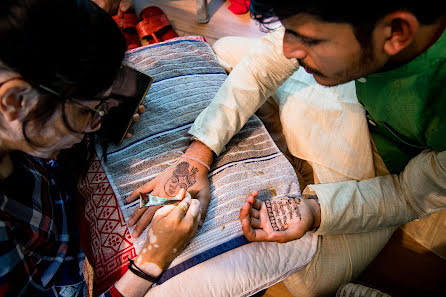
{"x":134,"y":234}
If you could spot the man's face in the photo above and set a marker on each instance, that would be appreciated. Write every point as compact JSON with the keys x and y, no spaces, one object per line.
{"x":329,"y":51}
{"x":55,"y":135}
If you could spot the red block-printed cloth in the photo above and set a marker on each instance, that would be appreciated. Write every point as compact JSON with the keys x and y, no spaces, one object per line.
{"x":105,"y":238}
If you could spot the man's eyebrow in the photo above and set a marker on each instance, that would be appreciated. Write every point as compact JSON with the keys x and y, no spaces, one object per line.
{"x":301,"y":36}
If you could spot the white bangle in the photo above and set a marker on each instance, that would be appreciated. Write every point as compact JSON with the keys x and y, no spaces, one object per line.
{"x":196,"y":160}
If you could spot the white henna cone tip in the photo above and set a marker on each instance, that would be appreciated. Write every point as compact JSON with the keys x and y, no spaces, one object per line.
{"x":151,"y":200}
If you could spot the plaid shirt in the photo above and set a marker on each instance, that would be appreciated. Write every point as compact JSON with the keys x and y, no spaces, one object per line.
{"x":39,"y":232}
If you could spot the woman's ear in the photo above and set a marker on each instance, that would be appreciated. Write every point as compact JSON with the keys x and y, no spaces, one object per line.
{"x":15,"y":96}
{"x":398,"y":29}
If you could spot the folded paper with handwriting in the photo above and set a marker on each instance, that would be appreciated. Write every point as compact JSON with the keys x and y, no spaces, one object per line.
{"x":186,"y":77}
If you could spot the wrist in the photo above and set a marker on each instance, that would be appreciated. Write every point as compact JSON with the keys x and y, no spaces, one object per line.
{"x":196,"y":162}
{"x":200,"y":151}
{"x":315,"y":207}
{"x":316,"y":212}
{"x":149,"y":266}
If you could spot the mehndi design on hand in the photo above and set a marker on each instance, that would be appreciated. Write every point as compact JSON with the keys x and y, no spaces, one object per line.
{"x":281,"y":211}
{"x":181,"y":178}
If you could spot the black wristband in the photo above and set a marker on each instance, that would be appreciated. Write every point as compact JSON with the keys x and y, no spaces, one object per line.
{"x":142,"y":274}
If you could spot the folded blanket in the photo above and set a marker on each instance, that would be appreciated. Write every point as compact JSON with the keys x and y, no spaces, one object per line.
{"x":186,"y":77}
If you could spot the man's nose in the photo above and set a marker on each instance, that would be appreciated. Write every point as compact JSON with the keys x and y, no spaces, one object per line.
{"x":294,"y":53}
{"x":293,"y":50}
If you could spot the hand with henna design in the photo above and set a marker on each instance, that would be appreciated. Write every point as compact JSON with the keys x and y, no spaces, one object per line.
{"x":280,"y":219}
{"x":186,"y":174}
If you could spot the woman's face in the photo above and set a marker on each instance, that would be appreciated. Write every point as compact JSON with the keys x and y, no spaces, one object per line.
{"x":49,"y":138}
{"x":66,"y":125}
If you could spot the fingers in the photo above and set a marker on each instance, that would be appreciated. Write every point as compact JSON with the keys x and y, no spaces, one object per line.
{"x":179,"y":212}
{"x":136,"y":215}
{"x":204,"y":196}
{"x":146,"y":188}
{"x":186,"y":200}
{"x":193,"y":215}
{"x":253,"y":234}
{"x":254,"y":213}
{"x":143,"y":220}
{"x":162,"y":212}
{"x":244,"y":211}
{"x":141,"y":109}
{"x":182,"y":194}
{"x":256,"y":223}
{"x":253,"y":195}
{"x":255,"y":203}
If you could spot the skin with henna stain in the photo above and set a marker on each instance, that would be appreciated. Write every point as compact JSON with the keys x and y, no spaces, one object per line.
{"x":282,"y":211}
{"x":181,"y":178}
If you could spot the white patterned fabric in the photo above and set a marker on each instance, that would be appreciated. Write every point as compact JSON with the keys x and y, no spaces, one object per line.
{"x":219,"y":261}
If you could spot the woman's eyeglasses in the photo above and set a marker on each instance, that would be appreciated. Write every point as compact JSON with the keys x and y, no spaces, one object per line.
{"x":98,"y":112}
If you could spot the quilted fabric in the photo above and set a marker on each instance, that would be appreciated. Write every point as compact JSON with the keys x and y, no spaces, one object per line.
{"x":219,"y":261}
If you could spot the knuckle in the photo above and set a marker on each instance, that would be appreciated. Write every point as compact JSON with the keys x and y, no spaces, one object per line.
{"x":188,"y":228}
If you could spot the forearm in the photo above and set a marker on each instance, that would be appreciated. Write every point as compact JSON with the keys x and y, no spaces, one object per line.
{"x":198,"y":150}
{"x":392,"y":200}
{"x":132,"y":285}
{"x":248,"y":86}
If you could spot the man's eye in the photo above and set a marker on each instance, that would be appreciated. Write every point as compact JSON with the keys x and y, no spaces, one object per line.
{"x":309,"y":42}
{"x":302,"y":40}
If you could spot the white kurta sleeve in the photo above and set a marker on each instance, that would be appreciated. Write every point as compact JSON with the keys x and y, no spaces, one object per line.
{"x":258,"y":75}
{"x":384,"y":201}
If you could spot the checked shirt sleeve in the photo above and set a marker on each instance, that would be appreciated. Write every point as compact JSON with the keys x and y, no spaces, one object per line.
{"x":14,"y":269}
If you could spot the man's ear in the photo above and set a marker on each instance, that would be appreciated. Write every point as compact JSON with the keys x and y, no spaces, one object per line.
{"x":14,"y":98}
{"x":399,"y":30}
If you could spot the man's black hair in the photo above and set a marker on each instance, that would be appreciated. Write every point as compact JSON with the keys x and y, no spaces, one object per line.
{"x":361,"y":15}
{"x":71,"y":46}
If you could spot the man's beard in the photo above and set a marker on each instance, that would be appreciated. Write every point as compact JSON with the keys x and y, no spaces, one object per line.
{"x":362,"y":68}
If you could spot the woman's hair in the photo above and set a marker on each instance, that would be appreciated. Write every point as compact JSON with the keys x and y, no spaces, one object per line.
{"x":362,"y":16}
{"x":70,"y":46}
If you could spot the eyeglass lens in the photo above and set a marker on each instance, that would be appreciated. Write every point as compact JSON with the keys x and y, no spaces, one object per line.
{"x":100,"y":111}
